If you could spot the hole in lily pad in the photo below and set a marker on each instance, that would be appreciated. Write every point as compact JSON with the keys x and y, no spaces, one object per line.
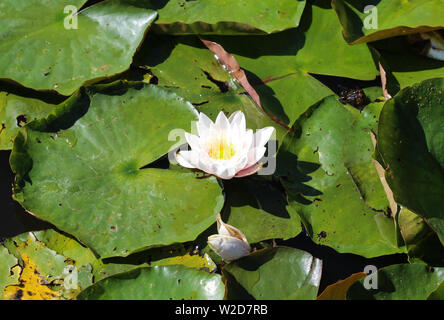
{"x":21,"y":120}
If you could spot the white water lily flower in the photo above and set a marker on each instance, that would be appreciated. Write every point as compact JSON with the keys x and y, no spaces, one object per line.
{"x":225,"y":148}
{"x":230,"y":244}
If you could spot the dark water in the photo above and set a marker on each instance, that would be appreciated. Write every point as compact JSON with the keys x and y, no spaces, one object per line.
{"x":14,"y":220}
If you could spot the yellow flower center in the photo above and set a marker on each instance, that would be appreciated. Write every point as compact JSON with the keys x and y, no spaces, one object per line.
{"x":221,"y":149}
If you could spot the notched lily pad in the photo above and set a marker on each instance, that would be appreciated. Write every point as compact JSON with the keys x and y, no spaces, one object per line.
{"x":45,"y":270}
{"x":54,"y":52}
{"x":411,"y":149}
{"x":366,"y":21}
{"x":326,"y":167}
{"x":279,"y":273}
{"x":400,"y":282}
{"x":15,"y":112}
{"x":83,"y":168}
{"x":230,"y":17}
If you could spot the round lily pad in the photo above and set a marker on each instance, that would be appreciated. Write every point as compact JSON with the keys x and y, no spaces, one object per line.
{"x":279,"y":273}
{"x":86,"y":169}
{"x":66,"y":47}
{"x":411,"y":146}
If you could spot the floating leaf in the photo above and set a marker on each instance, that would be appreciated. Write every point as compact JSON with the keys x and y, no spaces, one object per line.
{"x":227,"y":17}
{"x":55,"y":269}
{"x":422,"y":243}
{"x":279,"y":66}
{"x":86,"y":175}
{"x":410,"y":145}
{"x":366,"y":21}
{"x":327,"y":170}
{"x":157,"y":283}
{"x":8,"y":274}
{"x":400,"y":282}
{"x":44,"y":54}
{"x":403,"y":65}
{"x":203,"y":80}
{"x":259,"y":209}
{"x":274,"y":273}
{"x":438,"y":294}
{"x":190,"y":259}
{"x":15,"y":112}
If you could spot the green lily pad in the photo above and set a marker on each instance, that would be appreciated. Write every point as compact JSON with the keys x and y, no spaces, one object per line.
{"x":177,"y":254}
{"x":82,"y":169}
{"x":157,"y":283}
{"x":438,"y":294}
{"x":411,"y":148}
{"x":203,"y":80}
{"x":422,"y":243}
{"x":259,"y":209}
{"x":15,"y":112}
{"x":7,"y":273}
{"x":279,"y":66}
{"x":327,"y":170}
{"x":387,"y":18}
{"x":42,"y":54}
{"x":400,"y":282}
{"x":226,"y":16}
{"x":278,"y":273}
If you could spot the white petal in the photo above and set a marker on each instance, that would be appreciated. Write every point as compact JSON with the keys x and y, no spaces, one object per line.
{"x":262,"y":136}
{"x":233,"y":115}
{"x":223,"y":171}
{"x":222,"y":122}
{"x":436,"y":54}
{"x":237,"y":119}
{"x":187,"y":159}
{"x":193,"y":141}
{"x":203,"y":125}
{"x":228,"y":230}
{"x":228,"y":248}
{"x":204,"y":166}
{"x":241,"y":163}
{"x":254,"y":155}
{"x":247,"y":140}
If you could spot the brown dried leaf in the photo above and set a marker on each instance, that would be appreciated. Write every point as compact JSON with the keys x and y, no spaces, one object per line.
{"x":233,"y":66}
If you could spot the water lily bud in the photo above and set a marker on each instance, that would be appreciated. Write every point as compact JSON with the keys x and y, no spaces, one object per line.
{"x":230,"y":243}
{"x":225,"y":148}
{"x":436,"y":48}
